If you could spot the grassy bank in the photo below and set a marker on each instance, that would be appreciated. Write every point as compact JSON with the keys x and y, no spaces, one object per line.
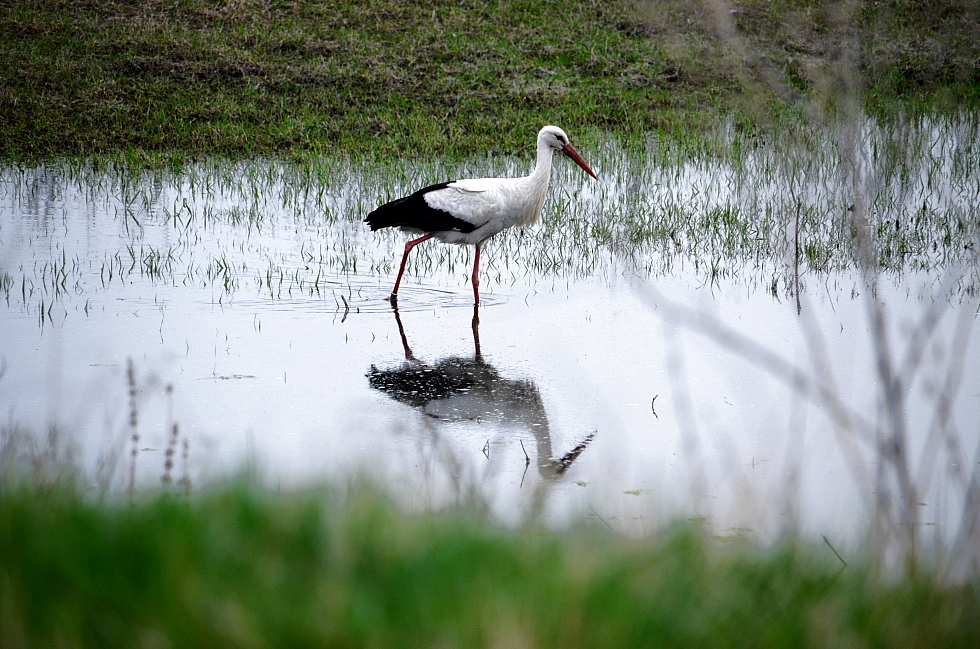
{"x":240,"y":567}
{"x":392,"y":78}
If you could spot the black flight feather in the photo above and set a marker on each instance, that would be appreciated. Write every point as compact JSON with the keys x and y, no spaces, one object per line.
{"x":413,"y":212}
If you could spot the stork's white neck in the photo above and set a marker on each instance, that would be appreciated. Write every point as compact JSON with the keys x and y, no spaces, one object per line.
{"x":536,"y":187}
{"x":542,"y":169}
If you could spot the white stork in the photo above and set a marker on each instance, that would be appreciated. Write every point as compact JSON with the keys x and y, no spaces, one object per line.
{"x":472,"y":210}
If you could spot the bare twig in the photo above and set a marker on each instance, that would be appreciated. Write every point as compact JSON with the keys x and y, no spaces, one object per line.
{"x":604,"y":522}
{"x":796,"y":257}
{"x":832,"y":549}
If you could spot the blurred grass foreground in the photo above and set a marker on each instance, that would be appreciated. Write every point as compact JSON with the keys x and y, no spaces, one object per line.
{"x":237,"y":566}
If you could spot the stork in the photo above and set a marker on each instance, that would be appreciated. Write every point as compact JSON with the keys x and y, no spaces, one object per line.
{"x":472,"y":210}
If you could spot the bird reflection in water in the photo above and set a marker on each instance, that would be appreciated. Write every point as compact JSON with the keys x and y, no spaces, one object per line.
{"x":459,"y":389}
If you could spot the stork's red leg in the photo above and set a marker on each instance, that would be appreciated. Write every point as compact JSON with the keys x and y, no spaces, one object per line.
{"x":476,"y":279}
{"x":401,"y":271}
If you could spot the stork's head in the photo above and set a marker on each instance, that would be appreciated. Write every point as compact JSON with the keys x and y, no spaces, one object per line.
{"x":554,"y":137}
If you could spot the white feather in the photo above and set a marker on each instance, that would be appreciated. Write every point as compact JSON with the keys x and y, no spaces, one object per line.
{"x":495,"y":204}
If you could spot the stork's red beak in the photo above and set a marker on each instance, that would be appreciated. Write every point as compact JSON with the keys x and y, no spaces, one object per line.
{"x":573,"y":154}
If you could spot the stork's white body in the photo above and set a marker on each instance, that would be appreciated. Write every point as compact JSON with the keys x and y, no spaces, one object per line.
{"x":472,"y":210}
{"x":494,"y":204}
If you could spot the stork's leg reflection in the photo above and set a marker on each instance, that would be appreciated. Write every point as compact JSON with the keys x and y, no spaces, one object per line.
{"x":409,"y":356}
{"x":476,"y":332}
{"x":457,"y":388}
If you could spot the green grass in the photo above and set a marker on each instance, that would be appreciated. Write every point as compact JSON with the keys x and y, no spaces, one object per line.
{"x":236,"y":566}
{"x":168,"y":80}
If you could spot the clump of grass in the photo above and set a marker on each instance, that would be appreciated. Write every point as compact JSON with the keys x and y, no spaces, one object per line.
{"x":237,"y":566}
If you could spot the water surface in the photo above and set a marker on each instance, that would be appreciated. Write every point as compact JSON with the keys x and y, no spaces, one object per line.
{"x":633,"y":361}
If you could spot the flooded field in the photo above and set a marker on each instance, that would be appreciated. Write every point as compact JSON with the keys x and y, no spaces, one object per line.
{"x":692,"y":338}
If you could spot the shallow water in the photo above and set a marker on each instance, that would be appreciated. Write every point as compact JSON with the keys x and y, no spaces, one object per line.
{"x":253,"y":313}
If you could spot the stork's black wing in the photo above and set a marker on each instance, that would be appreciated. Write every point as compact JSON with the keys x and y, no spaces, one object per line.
{"x":413,"y":212}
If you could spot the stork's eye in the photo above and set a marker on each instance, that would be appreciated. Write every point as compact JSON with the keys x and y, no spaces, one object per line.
{"x":560,"y":139}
